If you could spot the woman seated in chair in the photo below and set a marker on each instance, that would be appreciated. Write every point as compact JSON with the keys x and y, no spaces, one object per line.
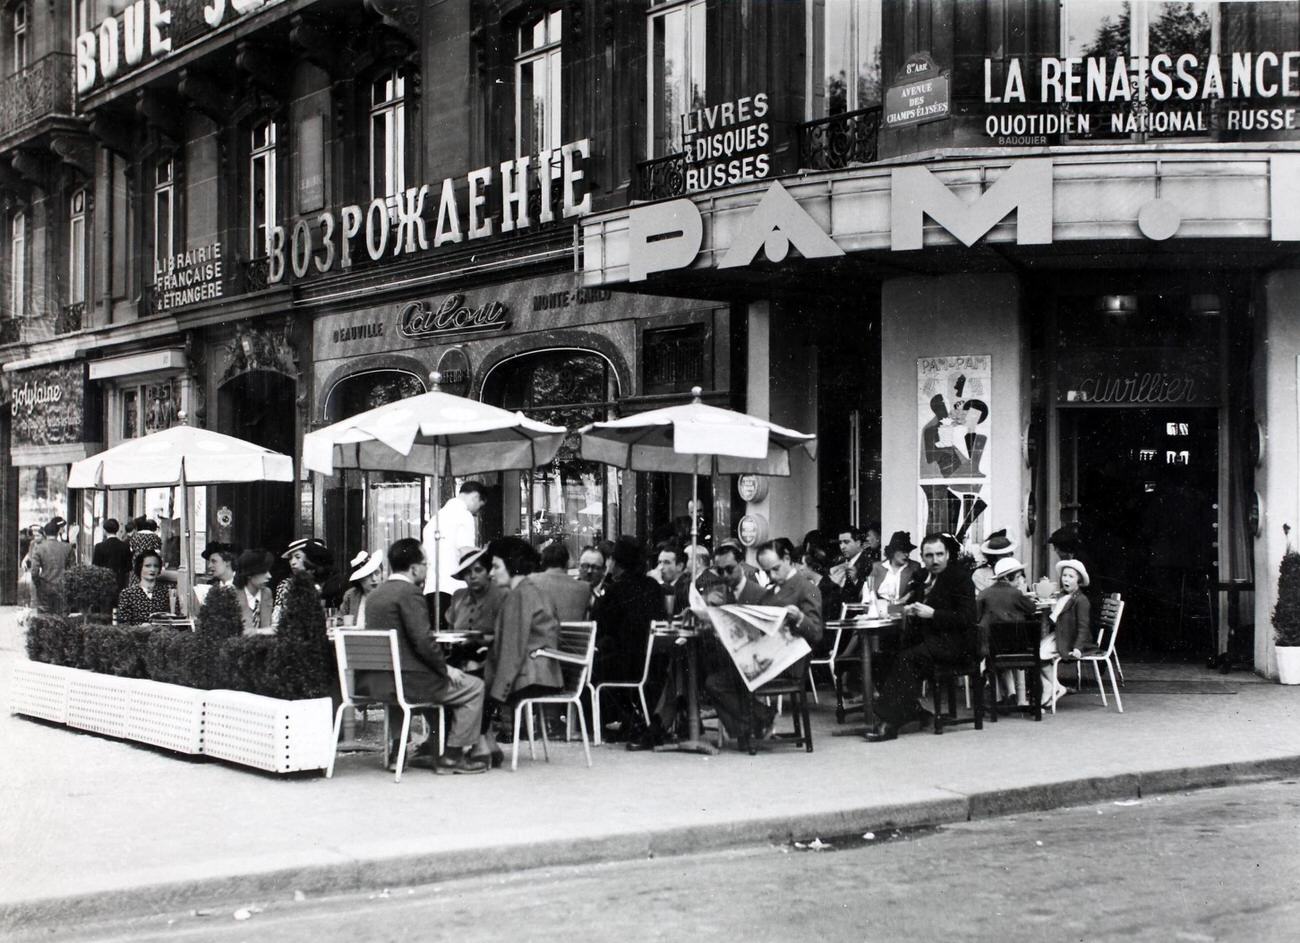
{"x":142,"y":599}
{"x":1072,"y":625}
{"x":526,"y":622}
{"x":1004,"y":600}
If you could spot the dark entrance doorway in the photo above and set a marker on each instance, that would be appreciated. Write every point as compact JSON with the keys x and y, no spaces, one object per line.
{"x":258,"y":407}
{"x":1145,"y":483}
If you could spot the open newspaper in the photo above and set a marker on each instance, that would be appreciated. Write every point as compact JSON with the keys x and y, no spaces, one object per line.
{"x":756,"y":637}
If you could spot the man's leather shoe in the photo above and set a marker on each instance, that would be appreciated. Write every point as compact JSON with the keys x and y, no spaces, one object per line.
{"x":460,"y":765}
{"x":881,"y":733}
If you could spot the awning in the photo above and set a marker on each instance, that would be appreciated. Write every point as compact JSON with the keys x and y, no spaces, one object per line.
{"x":152,"y":361}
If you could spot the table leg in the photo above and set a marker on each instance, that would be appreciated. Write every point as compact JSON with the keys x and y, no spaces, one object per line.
{"x":694,"y":743}
{"x":868,"y":710}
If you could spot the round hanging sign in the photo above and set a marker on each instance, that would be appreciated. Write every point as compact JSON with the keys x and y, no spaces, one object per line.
{"x":454,"y":367}
{"x":751,"y":530}
{"x":751,"y":488}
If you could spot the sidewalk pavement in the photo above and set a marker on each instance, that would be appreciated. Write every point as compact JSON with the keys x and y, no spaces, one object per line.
{"x":93,"y":826}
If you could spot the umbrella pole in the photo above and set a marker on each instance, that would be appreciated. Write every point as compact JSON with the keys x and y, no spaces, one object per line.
{"x":695,"y":524}
{"x":186,"y":581}
{"x":437,"y":550}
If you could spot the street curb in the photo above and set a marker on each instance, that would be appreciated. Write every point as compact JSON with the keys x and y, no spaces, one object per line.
{"x":356,"y":875}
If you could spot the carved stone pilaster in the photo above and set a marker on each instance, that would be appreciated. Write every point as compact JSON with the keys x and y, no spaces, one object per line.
{"x":33,"y":167}
{"x":403,"y":16}
{"x":318,"y":44}
{"x":161,"y":113}
{"x":114,"y":134}
{"x":77,"y":151}
{"x":211,"y":98}
{"x":263,"y":65}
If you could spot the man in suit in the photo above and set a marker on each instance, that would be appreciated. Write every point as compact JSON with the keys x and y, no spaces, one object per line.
{"x":791,"y":590}
{"x":942,"y":614}
{"x":252,"y":579}
{"x":674,"y":576}
{"x":855,"y":563}
{"x":399,"y":604}
{"x":112,"y":553}
{"x":50,"y":559}
{"x":572,"y":597}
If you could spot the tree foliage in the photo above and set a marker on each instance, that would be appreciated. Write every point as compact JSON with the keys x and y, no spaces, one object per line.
{"x":1286,"y":614}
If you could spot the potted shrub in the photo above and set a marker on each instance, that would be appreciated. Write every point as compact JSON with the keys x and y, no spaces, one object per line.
{"x":90,"y":590}
{"x":1286,"y":619}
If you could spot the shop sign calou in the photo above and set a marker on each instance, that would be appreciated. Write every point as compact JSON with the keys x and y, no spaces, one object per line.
{"x":47,"y":405}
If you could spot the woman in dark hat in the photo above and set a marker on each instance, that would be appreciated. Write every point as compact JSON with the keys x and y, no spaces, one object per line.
{"x":143,"y":537}
{"x":891,"y":577}
{"x":138,"y":602}
{"x":252,"y":573}
{"x":308,"y":555}
{"x":996,"y":547}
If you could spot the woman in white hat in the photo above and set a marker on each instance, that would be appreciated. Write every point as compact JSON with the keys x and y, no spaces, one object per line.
{"x":1004,"y":600}
{"x":1072,"y":624}
{"x":998,"y":547}
{"x":367,"y":573}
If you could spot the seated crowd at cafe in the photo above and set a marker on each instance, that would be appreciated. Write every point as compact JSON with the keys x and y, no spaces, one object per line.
{"x":496,"y":605}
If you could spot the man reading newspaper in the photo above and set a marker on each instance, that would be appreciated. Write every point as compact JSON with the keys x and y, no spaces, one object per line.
{"x":765,"y":641}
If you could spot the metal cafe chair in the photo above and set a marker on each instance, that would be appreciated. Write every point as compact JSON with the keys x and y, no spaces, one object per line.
{"x":638,"y":686}
{"x":1112,"y":611}
{"x":575,"y":655}
{"x":376,"y":651}
{"x":1016,"y":645}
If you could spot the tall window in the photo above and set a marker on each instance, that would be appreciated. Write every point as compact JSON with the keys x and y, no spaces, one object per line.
{"x":164,"y":213}
{"x":22,"y":50}
{"x":18,"y":265}
{"x":261,"y":190}
{"x":80,"y":19}
{"x":537,"y":85}
{"x":677,"y":38}
{"x":77,"y":248}
{"x":846,"y":56}
{"x":388,"y":137}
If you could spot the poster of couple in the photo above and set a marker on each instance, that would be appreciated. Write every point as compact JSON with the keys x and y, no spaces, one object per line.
{"x":954,"y":400}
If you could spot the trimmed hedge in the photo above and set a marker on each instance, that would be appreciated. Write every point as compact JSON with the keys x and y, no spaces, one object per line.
{"x":297,"y":662}
{"x":90,"y":589}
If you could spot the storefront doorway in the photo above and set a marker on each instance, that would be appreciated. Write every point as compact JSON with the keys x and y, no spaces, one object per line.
{"x":258,"y":407}
{"x":1145,"y":494}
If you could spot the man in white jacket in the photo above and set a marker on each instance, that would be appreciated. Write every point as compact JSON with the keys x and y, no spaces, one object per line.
{"x":458,"y":535}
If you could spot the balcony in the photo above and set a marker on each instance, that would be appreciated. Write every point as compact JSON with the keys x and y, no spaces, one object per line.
{"x":42,"y":89}
{"x":70,"y":318}
{"x":11,"y":331}
{"x":660,"y":178}
{"x":840,"y":141}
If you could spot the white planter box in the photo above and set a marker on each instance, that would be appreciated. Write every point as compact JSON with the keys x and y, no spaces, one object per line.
{"x":268,"y":733}
{"x":39,"y":690}
{"x":1288,"y":663}
{"x":166,"y":715}
{"x":98,"y":702}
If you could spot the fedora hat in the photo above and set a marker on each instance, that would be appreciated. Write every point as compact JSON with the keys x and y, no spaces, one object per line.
{"x":253,"y":562}
{"x":1077,"y":567}
{"x":998,"y":544}
{"x":901,"y":540}
{"x":363,"y":564}
{"x":1007,"y":566}
{"x":467,"y":561}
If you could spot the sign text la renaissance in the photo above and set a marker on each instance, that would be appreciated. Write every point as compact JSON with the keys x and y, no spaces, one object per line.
{"x":1138,"y":78}
{"x":400,"y":224}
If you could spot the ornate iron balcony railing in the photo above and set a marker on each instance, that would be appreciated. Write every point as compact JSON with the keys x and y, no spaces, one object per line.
{"x":660,"y":178}
{"x":70,"y":318}
{"x":43,"y":88}
{"x":836,"y":142}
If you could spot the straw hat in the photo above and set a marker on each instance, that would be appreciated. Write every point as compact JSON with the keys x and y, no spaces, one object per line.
{"x":1007,"y":566}
{"x":1077,"y":567}
{"x":998,"y":544}
{"x":467,"y":561}
{"x":364,"y":564}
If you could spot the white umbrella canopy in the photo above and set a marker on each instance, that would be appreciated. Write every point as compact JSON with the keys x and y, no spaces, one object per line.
{"x":182,"y":453}
{"x":695,"y":439}
{"x":181,"y":457}
{"x":434,"y":433}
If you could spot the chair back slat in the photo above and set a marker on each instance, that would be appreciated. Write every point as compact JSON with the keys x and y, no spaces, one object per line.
{"x":1108,"y":628}
{"x":577,"y":639}
{"x":1014,"y":637}
{"x":367,"y":650}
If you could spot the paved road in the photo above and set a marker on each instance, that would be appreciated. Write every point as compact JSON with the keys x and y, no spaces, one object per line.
{"x":1215,"y":865}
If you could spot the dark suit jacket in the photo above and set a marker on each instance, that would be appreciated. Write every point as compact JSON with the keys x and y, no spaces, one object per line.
{"x":952,"y":597}
{"x":526,"y":622}
{"x":623,"y":614}
{"x":1074,"y":625}
{"x":572,"y":597}
{"x":798,"y":590}
{"x":881,"y":570}
{"x":116,"y":556}
{"x":1001,"y":602}
{"x":399,"y":604}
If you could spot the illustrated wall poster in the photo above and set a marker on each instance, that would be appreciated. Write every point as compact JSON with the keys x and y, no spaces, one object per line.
{"x":954,"y":420}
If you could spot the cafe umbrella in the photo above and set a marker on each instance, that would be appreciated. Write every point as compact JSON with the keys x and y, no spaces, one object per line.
{"x":695,"y":439}
{"x":181,"y":457}
{"x":437,"y":434}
